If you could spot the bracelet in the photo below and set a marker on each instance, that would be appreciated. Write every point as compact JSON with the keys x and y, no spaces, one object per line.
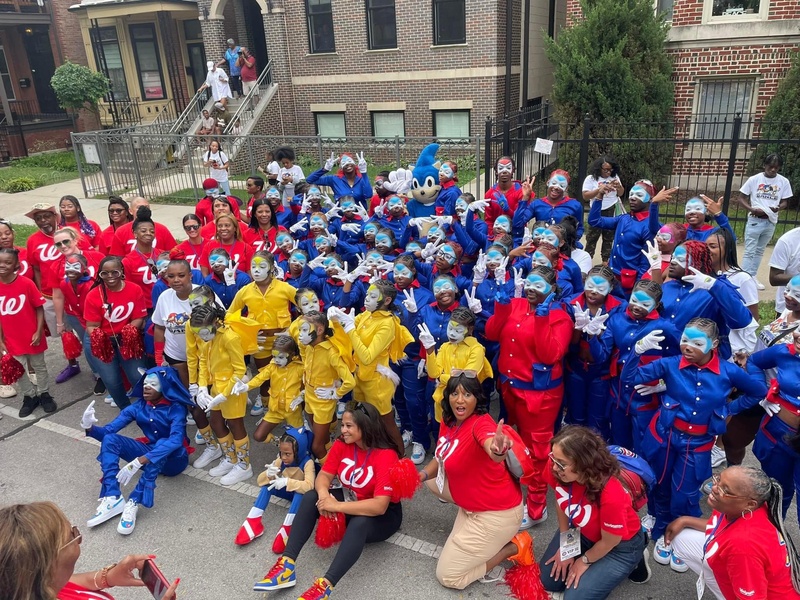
{"x":426,"y":475}
{"x":103,"y":577}
{"x":501,"y":454}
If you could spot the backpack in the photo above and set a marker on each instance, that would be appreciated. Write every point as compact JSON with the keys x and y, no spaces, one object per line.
{"x":635,"y":475}
{"x":518,"y":458}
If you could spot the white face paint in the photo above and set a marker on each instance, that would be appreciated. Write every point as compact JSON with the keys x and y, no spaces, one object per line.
{"x":308,"y":303}
{"x":642,"y":300}
{"x":456,"y":332}
{"x":206,"y":333}
{"x":280,"y":358}
{"x":260,"y":269}
{"x":307,"y":334}
{"x":694,"y":205}
{"x":598,"y":285}
{"x":217,"y":260}
{"x":75,"y":267}
{"x":373,"y":300}
{"x":196,"y":300}
{"x":152,"y":381}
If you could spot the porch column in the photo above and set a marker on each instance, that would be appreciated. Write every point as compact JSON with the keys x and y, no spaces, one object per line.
{"x":276,"y":32}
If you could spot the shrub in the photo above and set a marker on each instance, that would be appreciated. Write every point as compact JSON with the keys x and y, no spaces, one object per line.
{"x":20,"y":184}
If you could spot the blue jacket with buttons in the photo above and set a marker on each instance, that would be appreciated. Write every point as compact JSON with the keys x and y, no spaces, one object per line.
{"x":361,"y":190}
{"x":785,"y":359}
{"x":633,"y":231}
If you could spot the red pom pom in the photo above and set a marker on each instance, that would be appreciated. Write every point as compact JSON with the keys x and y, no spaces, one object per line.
{"x":330,"y":530}
{"x":10,"y":369}
{"x":130,"y":342}
{"x":100,"y":345}
{"x":525,"y":582}
{"x":404,"y":478}
{"x":72,"y":345}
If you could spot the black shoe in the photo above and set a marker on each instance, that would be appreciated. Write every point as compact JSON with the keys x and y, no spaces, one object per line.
{"x":28,"y":404}
{"x":47,"y":403}
{"x":642,"y":573}
{"x":99,"y":387}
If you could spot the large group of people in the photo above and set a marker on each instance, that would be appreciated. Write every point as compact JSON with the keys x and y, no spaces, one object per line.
{"x":371,"y":334}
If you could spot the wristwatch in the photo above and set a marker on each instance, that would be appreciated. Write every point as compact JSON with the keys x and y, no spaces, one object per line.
{"x":585,"y":560}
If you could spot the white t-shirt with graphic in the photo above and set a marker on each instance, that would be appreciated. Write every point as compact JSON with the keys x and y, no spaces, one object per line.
{"x":173,"y":314}
{"x":766,"y":193}
{"x":590,"y":184}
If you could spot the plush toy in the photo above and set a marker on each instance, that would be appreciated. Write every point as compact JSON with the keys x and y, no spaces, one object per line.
{"x":425,"y":184}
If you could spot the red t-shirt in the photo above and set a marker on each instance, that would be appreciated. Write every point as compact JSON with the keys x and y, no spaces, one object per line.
{"x":41,"y":252}
{"x":477,"y":483}
{"x":748,"y":557}
{"x":192,"y":251}
{"x":106,"y":239}
{"x":257,"y":238}
{"x":73,"y":591}
{"x":614,"y":513}
{"x":18,"y":303}
{"x":239,"y":252}
{"x":55,"y":271}
{"x":124,"y":241}
{"x":139,"y":272}
{"x":365,"y":472}
{"x":203,"y":209}
{"x":209,"y":231}
{"x":89,"y":242}
{"x":24,"y":266}
{"x":74,"y":297}
{"x":125,"y":306}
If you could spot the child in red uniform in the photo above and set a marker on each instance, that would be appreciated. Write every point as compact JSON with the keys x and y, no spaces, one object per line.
{"x":140,"y":265}
{"x":22,"y":331}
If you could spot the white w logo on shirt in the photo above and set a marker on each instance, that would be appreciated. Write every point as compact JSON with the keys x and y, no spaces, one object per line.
{"x":360,"y":477}
{"x":120,"y":313}
{"x":11,"y":306}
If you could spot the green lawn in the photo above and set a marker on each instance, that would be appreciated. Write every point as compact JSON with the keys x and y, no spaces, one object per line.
{"x":22,"y":233}
{"x":36,"y":171}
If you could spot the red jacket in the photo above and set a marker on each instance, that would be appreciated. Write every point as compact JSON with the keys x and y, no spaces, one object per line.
{"x":514,"y":195}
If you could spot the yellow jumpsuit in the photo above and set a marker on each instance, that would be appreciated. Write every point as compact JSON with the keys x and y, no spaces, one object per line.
{"x":285,"y":385}
{"x":270,"y":309}
{"x":323,"y":365}
{"x":220,"y":360}
{"x":468,"y":355}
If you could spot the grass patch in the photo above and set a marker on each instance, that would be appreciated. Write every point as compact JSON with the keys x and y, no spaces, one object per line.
{"x":22,"y":233}
{"x":766,"y":312}
{"x":36,"y":171}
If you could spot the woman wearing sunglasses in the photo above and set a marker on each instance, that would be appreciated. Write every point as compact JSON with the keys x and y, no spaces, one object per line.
{"x":119,"y":213}
{"x":192,"y":247}
{"x":140,"y":265}
{"x":743,"y":551}
{"x":553,"y":207}
{"x":39,"y":549}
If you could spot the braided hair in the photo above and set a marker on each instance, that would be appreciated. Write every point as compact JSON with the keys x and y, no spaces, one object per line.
{"x":85,"y":226}
{"x":707,"y":325}
{"x":549,"y":275}
{"x":652,"y":289}
{"x":207,"y":315}
{"x":699,"y":256}
{"x":605,"y":272}
{"x":387,"y":290}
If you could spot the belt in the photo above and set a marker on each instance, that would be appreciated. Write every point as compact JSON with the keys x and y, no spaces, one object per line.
{"x":690,"y":428}
{"x":757,"y":217}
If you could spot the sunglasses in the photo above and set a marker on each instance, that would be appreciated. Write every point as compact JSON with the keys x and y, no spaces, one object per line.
{"x":191,"y":227}
{"x":468,"y":373}
{"x":76,"y":535}
{"x":62,"y":244}
{"x":107,"y":274}
{"x":116,"y":211}
{"x":560,"y":466}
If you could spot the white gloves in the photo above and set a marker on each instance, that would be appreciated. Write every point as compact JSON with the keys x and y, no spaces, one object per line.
{"x":362,"y":166}
{"x":431,"y":248}
{"x":410,"y":302}
{"x":422,"y":369}
{"x":426,"y":337}
{"x":317,"y":262}
{"x":351,"y":227}
{"x":478,"y":205}
{"x":273,"y":471}
{"x":652,"y":254}
{"x":127,"y":472}
{"x":500,"y":272}
{"x":206,"y":402}
{"x":770,"y":408}
{"x":327,"y":201}
{"x":596,"y":326}
{"x":479,"y":269}
{"x":473,"y":303}
{"x":362,"y":212}
{"x":297,"y":401}
{"x":334,"y":213}
{"x":646,"y":390}
{"x":443,"y":220}
{"x":582,"y":317}
{"x":652,"y":341}
{"x":699,"y":280}
{"x":193,"y":389}
{"x":399,"y":181}
{"x":326,"y":393}
{"x":279,"y":483}
{"x":346,"y":319}
{"x":519,"y":283}
{"x":239,"y":387}
{"x":88,"y":419}
{"x":329,"y":164}
{"x":380,"y":209}
{"x":299,"y":226}
{"x":359,"y":271}
{"x":527,"y":236}
{"x":230,"y":273}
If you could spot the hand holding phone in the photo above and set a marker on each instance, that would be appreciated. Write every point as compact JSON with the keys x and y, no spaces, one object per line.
{"x":154,"y":580}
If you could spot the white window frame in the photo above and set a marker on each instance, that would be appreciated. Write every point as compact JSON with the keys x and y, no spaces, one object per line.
{"x":746,"y":110}
{"x":13,"y":95}
{"x":438,"y":112}
{"x":761,"y":15}
{"x":376,"y":134}
{"x":324,"y":136}
{"x":655,"y":10}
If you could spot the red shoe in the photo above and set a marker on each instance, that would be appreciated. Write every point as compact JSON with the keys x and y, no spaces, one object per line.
{"x":321,"y":590}
{"x":250,"y":530}
{"x":279,"y":545}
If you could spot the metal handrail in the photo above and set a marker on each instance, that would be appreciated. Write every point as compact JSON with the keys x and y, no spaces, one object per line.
{"x":188,"y":113}
{"x":266,"y":74}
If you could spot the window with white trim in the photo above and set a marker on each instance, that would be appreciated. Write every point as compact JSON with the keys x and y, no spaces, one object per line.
{"x":718,"y":102}
{"x":451,"y":124}
{"x":735,"y":8}
{"x":330,"y":125}
{"x":388,"y":124}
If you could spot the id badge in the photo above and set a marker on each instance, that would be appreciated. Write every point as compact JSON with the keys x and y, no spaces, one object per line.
{"x":349,"y":495}
{"x":570,"y":543}
{"x":440,"y":479}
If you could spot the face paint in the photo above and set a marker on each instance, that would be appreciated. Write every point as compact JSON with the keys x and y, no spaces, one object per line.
{"x":308,"y":302}
{"x":502,"y":222}
{"x":639,"y":193}
{"x":793,"y":288}
{"x":373,"y":259}
{"x":346,"y":160}
{"x":413,"y":247}
{"x":373,"y":299}
{"x":680,"y":257}
{"x":494,"y":258}
{"x":505,"y":166}
{"x":456,"y":332}
{"x":550,"y":237}
{"x":260,"y":269}
{"x":558,"y":181}
{"x":538,"y":233}
{"x":282,"y":239}
{"x":540,"y":259}
{"x":297,"y":260}
{"x":434,"y":233}
{"x":307,"y":334}
{"x":217,"y":260}
{"x":446,"y":171}
{"x":402,"y":272}
{"x":538,"y":284}
{"x":694,"y":205}
{"x":598,"y":285}
{"x":394,"y":203}
{"x":447,"y":253}
{"x":162,"y":265}
{"x":665,"y":235}
{"x":461,"y":206}
{"x":273,"y":194}
{"x":642,"y":300}
{"x":371,"y":229}
{"x":280,"y":358}
{"x":73,"y":267}
{"x":348,"y":206}
{"x":196,"y":300}
{"x":205,"y":333}
{"x":316,"y":223}
{"x":321,"y":242}
{"x":313,"y":193}
{"x":331,"y":263}
{"x":212,"y":192}
{"x":152,"y":381}
{"x":441,"y":286}
{"x":696,"y":338}
{"x":383,"y":239}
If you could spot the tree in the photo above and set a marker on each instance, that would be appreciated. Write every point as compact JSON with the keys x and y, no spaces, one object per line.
{"x":612,"y":66}
{"x":78,"y":87}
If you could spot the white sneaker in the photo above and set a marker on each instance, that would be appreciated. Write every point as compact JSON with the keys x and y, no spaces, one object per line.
{"x":258,"y":408}
{"x":108,"y":508}
{"x":237,"y":474}
{"x":408,"y":437}
{"x":7,"y":391}
{"x":32,"y":377}
{"x":223,"y":468}
{"x":717,"y":456}
{"x":199,"y":440}
{"x":340,"y":408}
{"x":494,"y":575}
{"x":108,"y":399}
{"x":648,"y":521}
{"x":397,"y":420}
{"x":760,"y":286}
{"x":128,"y":519}
{"x":190,"y":420}
{"x":527,"y":522}
{"x":662,"y":553}
{"x":417,"y":454}
{"x":209,"y":455}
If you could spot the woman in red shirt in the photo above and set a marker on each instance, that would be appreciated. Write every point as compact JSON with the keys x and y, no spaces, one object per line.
{"x":743,"y":551}
{"x":469,"y":470}
{"x":192,"y":246}
{"x":599,"y":541}
{"x":229,"y":238}
{"x":7,"y":241}
{"x":362,"y":459}
{"x":140,"y":265}
{"x":72,"y":216}
{"x":118,"y":214}
{"x":221,"y":205}
{"x":263,"y":227}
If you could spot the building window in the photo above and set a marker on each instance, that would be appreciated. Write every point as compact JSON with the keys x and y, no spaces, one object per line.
{"x":451,"y":124}
{"x":381,"y":24}
{"x":664,"y":7}
{"x":388,"y":124}
{"x":735,"y":8}
{"x":105,"y":44}
{"x":192,"y":30}
{"x":449,"y":22}
{"x":6,"y":75}
{"x":330,"y":125}
{"x":320,"y":26}
{"x":718,"y":102}
{"x":148,"y":61}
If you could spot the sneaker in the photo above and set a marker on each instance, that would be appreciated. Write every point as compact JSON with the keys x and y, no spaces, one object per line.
{"x":128,"y":519}
{"x":648,"y":521}
{"x":319,"y":591}
{"x":209,"y":455}
{"x":493,"y":576}
{"x":108,"y":508}
{"x":7,"y":391}
{"x":408,"y":437}
{"x":199,"y":440}
{"x":237,"y":474}
{"x":760,"y":286}
{"x":677,"y":565}
{"x":258,"y":408}
{"x":32,"y":377}
{"x":112,"y":404}
{"x":99,"y":387}
{"x":108,"y":399}
{"x":642,"y":572}
{"x":250,"y":530}
{"x":524,"y":543}
{"x":280,"y":576}
{"x":527,"y":522}
{"x":662,"y":553}
{"x":417,"y":454}
{"x":279,"y":543}
{"x":717,"y":456}
{"x":223,"y":468}
{"x":68,"y":373}
{"x":190,"y":420}
{"x":397,"y":420}
{"x":28,"y":404}
{"x":47,"y":403}
{"x":706,"y":488}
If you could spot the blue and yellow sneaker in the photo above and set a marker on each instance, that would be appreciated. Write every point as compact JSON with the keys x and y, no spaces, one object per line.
{"x":280,"y":576}
{"x":319,"y":591}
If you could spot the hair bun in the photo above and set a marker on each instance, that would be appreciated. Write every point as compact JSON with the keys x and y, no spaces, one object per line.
{"x":143,"y":213}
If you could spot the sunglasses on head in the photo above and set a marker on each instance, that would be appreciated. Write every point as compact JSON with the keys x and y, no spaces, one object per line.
{"x":468,"y":373}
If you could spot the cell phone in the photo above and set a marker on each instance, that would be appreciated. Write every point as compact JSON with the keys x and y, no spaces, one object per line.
{"x":154,"y":579}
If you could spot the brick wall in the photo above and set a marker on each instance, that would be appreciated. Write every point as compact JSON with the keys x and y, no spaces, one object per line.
{"x":68,"y":32}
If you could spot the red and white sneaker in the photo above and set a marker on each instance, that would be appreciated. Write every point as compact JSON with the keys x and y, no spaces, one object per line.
{"x":250,"y":530}
{"x":279,"y":545}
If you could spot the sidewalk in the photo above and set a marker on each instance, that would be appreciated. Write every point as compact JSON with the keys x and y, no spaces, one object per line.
{"x":14,"y":206}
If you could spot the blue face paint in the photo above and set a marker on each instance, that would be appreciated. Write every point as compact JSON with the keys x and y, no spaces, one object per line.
{"x":442,"y":285}
{"x":348,"y":205}
{"x":793,"y":288}
{"x":494,"y":256}
{"x":331,"y":262}
{"x":371,"y":229}
{"x":313,"y":192}
{"x":321,"y":242}
{"x":273,"y":193}
{"x":461,"y":205}
{"x":680,"y":257}
{"x":446,"y":171}
{"x":216,"y":260}
{"x":598,"y":285}
{"x":283,"y":239}
{"x":297,"y":259}
{"x":558,"y":181}
{"x":643,"y":300}
{"x":316,"y":222}
{"x":694,"y":205}
{"x":697,"y":338}
{"x":394,"y":202}
{"x":550,"y":237}
{"x":447,"y":253}
{"x":403,"y":272}
{"x":538,"y":284}
{"x":502,"y":222}
{"x":639,"y":193}
{"x":413,"y":247}
{"x":383,"y":240}
{"x":373,"y":259}
{"x":540,"y":259}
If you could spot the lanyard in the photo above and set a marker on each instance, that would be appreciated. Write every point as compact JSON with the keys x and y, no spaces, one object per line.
{"x":569,"y":504}
{"x":448,"y":440}
{"x":710,"y":536}
{"x":144,"y":258}
{"x":355,"y":468}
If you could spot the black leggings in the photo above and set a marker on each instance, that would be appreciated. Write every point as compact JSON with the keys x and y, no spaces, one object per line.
{"x":360,"y":531}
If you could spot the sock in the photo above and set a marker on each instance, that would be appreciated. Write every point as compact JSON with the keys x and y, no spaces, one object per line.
{"x":269,"y":439}
{"x":255,"y":513}
{"x":227,"y":445}
{"x":289,"y":520}
{"x":208,"y":436}
{"x":242,"y":448}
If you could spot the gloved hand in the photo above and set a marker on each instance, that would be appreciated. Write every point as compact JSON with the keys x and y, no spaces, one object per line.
{"x":347,"y":320}
{"x":305,"y":206}
{"x":299,"y":226}
{"x":333,"y":239}
{"x":327,"y":201}
{"x":582,"y":317}
{"x":699,"y":280}
{"x":652,"y":341}
{"x":420,"y":221}
{"x":596,"y":326}
{"x":193,"y":389}
{"x":317,"y":262}
{"x":527,"y":236}
{"x":362,"y":212}
{"x":230,"y":273}
{"x":501,"y":296}
{"x":341,"y":274}
{"x":202,"y":398}
{"x":273,"y":471}
{"x":334,"y":213}
{"x":88,"y":419}
{"x":443,"y":220}
{"x":500,"y":271}
{"x":279,"y":483}
{"x":426,"y":337}
{"x":326,"y":393}
{"x":479,"y":269}
{"x":501,"y":199}
{"x":652,"y":254}
{"x":239,"y":387}
{"x":380,"y":210}
{"x":357,"y":273}
{"x":279,"y":272}
{"x":519,"y":283}
{"x":351,"y":228}
{"x":431,"y":248}
{"x":770,"y":408}
{"x":362,"y":163}
{"x":410,"y":302}
{"x":297,"y":401}
{"x":216,"y":401}
{"x":329,"y":164}
{"x":478,"y":205}
{"x":399,"y":181}
{"x":422,"y":369}
{"x":543,"y":308}
{"x":127,"y":472}
{"x":645,"y":390}
{"x":473,"y":303}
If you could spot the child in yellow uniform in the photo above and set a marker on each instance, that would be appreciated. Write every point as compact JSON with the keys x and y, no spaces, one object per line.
{"x":328,"y":375}
{"x":461,"y":353}
{"x":377,"y":337}
{"x":307,"y":301}
{"x":221,"y":360}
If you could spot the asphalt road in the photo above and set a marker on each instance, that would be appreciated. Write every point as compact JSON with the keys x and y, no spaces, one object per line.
{"x":194,"y":521}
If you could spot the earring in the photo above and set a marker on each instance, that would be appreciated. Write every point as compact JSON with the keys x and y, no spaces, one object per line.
{"x":750,"y":515}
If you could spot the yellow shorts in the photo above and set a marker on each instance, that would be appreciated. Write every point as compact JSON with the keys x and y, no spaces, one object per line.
{"x":235,"y":407}
{"x":323,"y":411}
{"x":293,"y":418}
{"x":378,"y":392}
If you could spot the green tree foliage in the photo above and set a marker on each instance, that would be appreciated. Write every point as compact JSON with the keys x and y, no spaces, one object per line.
{"x":613,"y":67}
{"x":78,"y":87}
